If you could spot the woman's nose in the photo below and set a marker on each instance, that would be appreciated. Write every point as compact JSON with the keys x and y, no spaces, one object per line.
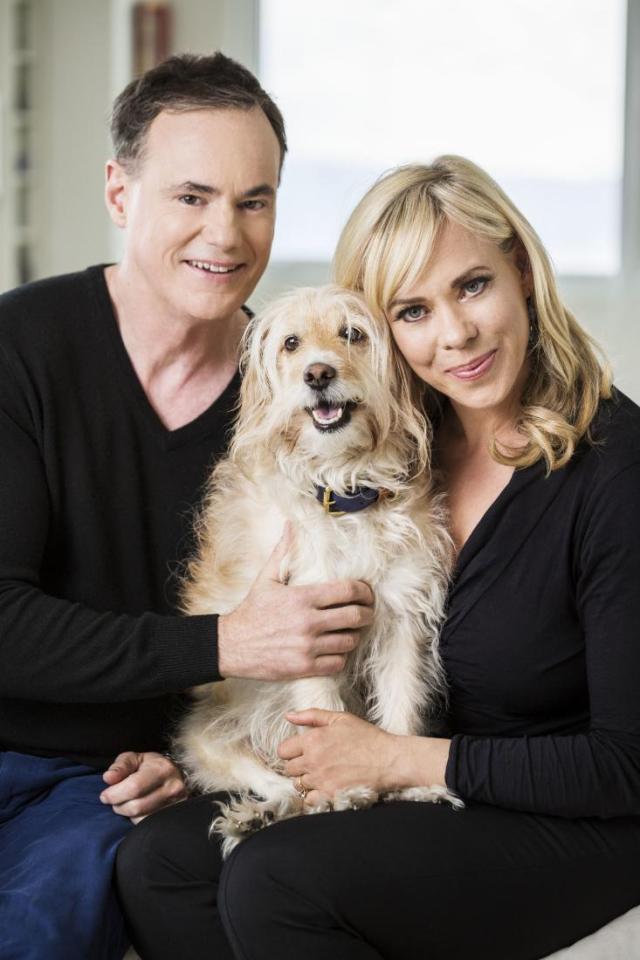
{"x":456,"y":329}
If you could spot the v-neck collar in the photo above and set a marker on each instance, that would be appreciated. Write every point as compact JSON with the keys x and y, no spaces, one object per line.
{"x":209,"y":421}
{"x":498,"y":536}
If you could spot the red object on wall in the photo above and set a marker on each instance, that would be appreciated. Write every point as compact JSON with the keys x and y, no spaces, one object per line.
{"x":152,"y":35}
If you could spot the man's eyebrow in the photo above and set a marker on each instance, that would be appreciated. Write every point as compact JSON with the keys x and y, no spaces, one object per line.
{"x":190,"y":186}
{"x":262,"y":190}
{"x":457,"y":282}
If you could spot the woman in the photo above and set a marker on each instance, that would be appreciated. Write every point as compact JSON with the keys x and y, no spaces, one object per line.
{"x":541,"y":463}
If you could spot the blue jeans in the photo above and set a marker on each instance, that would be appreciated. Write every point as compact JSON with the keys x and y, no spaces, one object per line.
{"x":57,"y":849}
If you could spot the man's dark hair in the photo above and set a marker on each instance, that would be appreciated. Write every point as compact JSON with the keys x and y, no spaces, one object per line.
{"x":182,"y":83}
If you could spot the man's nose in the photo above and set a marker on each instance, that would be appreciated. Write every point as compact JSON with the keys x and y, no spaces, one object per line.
{"x":222,"y":228}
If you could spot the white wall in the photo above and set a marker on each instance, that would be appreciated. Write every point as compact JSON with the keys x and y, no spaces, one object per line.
{"x":610,"y":314}
{"x":74,"y":144}
{"x":86,"y":63}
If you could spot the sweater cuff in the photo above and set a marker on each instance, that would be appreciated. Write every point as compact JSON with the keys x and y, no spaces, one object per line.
{"x":187,"y":651}
{"x":451,"y":771}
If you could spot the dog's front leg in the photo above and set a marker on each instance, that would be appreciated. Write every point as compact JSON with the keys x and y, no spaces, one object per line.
{"x":320,"y":692}
{"x":402,"y":675}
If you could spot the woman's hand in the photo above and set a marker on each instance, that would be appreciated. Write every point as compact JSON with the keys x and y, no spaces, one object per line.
{"x":141,"y":783}
{"x":340,"y":750}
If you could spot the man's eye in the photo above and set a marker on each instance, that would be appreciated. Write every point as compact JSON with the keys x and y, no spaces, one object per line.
{"x":352,"y":335}
{"x":414,"y":312}
{"x":190,"y":200}
{"x":291,"y":344}
{"x":475,"y":286}
{"x":253,"y":204}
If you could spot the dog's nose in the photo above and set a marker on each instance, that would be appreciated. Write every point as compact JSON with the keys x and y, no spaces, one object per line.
{"x":319,"y":375}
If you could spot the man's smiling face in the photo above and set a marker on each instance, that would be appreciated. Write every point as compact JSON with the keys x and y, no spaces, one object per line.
{"x":199,"y":209}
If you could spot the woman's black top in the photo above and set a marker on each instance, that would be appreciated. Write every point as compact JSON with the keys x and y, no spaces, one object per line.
{"x":542,"y":640}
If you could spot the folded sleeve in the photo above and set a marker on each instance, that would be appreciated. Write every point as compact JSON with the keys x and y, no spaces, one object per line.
{"x":595,"y":773}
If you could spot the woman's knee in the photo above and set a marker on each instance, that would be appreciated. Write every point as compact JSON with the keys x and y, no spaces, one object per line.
{"x":268,"y":874}
{"x":171,"y":846}
{"x":247,"y":892}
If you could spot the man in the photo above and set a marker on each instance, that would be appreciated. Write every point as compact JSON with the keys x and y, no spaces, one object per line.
{"x":117,"y":387}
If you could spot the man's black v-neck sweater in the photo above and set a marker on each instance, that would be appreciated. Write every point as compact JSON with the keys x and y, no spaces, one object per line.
{"x":97,"y":500}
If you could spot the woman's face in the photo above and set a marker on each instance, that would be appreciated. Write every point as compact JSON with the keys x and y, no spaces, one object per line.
{"x":463,"y":327}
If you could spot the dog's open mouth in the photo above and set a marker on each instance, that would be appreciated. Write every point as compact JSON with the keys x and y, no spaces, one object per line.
{"x":329,"y":416}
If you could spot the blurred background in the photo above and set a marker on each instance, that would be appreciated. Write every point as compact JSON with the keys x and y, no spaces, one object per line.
{"x":545,"y":94}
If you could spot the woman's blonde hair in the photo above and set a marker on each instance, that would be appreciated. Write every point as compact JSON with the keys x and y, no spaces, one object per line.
{"x":389,"y":238}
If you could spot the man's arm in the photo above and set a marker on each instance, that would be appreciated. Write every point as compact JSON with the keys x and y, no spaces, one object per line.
{"x":52,"y":649}
{"x":281,"y":632}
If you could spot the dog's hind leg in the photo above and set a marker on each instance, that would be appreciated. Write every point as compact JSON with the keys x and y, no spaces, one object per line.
{"x":433,"y":794}
{"x":259,"y":796}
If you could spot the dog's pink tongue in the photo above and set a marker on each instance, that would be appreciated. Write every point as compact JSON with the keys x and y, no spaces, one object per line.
{"x":327,"y":413}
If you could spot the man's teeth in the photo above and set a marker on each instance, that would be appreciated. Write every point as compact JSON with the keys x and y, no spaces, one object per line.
{"x":211,"y":267}
{"x":324,"y":416}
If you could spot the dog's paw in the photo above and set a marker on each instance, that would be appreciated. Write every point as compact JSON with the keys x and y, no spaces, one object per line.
{"x":354,"y":798}
{"x":434,"y":794}
{"x":243,"y":816}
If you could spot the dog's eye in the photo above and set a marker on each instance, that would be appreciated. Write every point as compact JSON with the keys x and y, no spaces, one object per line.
{"x":291,"y":343}
{"x":352,"y":334}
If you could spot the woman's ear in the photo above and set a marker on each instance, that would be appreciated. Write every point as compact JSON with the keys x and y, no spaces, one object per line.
{"x":523,"y":264}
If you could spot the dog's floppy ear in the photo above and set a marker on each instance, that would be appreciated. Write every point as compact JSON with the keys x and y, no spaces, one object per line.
{"x":256,"y":392}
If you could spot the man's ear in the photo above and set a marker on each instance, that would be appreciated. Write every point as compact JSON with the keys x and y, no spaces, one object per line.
{"x":115,"y":192}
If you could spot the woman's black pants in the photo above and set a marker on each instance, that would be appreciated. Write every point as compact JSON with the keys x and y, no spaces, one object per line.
{"x":399,"y":881}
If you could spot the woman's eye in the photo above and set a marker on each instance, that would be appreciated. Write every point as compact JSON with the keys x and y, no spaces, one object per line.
{"x":475,"y":286}
{"x":352,"y":334}
{"x":414,"y":312}
{"x":291,"y":344}
{"x":190,"y":200}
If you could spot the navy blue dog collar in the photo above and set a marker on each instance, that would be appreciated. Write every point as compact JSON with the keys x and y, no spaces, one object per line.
{"x":337,"y":506}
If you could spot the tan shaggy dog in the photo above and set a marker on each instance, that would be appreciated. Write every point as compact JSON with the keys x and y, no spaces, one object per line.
{"x":325,"y":414}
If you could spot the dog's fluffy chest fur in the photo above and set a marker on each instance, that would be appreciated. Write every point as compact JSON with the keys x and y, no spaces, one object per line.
{"x":398,"y":546}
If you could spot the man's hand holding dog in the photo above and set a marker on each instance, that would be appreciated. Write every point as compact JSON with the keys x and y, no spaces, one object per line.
{"x":282,"y":632}
{"x":141,"y":783}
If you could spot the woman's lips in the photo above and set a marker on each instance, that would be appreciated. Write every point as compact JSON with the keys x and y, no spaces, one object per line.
{"x":477,"y":368}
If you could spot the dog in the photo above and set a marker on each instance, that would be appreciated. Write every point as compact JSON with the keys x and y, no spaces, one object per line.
{"x":328,"y":438}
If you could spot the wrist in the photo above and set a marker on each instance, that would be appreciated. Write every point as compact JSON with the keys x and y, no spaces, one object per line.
{"x":416,"y":762}
{"x":223,"y":645}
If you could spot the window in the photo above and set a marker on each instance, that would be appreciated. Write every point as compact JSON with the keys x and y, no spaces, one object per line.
{"x":532,"y":90}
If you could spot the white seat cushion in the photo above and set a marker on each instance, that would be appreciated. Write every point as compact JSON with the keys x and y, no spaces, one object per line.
{"x":619,"y":940}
